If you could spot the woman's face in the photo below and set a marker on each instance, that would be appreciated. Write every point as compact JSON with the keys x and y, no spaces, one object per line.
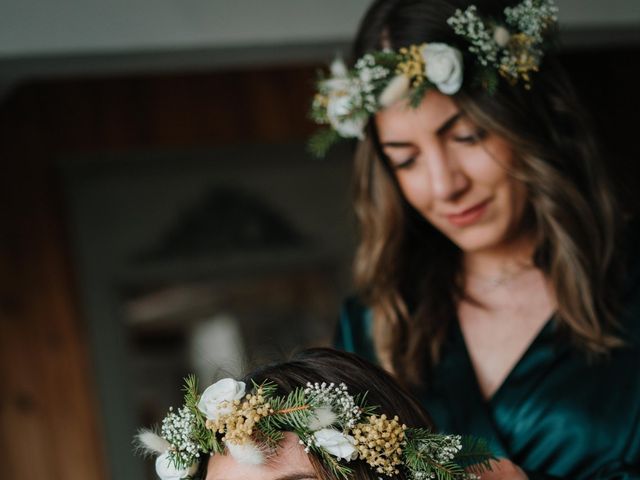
{"x":290,"y":463}
{"x":452,"y":172}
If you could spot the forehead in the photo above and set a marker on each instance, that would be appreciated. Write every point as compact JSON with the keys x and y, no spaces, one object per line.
{"x":289,"y":462}
{"x":401,"y":119}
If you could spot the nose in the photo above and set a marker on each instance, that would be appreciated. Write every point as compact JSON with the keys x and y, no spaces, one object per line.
{"x":447,"y":180}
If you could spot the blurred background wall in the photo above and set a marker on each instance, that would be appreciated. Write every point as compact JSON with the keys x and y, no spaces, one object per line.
{"x":159,"y":213}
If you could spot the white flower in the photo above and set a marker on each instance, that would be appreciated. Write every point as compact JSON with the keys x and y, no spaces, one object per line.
{"x":344,"y":93}
{"x":365,"y":75}
{"x":216,"y":399}
{"x":152,"y":442}
{"x":167,"y":471}
{"x":340,"y":114}
{"x":396,"y":89}
{"x":336,"y":443}
{"x":246,"y":453}
{"x":322,"y":417}
{"x":501,"y":36}
{"x":443,"y":67}
{"x":338,"y":68}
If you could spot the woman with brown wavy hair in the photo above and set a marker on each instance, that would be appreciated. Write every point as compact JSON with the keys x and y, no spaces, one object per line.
{"x":494,"y":274}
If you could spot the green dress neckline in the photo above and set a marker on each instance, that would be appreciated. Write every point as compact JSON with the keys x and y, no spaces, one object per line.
{"x":462,"y":391}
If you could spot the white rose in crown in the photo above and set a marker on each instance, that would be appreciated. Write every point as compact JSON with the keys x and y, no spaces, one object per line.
{"x":342,"y":93}
{"x":443,"y":67}
{"x":339,"y":113}
{"x":217,"y":399}
{"x":336,"y":443}
{"x":166,"y":469}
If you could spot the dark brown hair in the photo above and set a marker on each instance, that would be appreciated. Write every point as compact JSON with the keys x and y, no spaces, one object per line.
{"x":333,"y":366}
{"x":409,"y":273}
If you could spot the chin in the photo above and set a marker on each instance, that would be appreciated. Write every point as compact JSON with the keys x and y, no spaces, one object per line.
{"x":477,"y":239}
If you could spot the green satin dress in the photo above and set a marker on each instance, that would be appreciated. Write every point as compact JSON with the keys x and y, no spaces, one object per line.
{"x":557,"y":415}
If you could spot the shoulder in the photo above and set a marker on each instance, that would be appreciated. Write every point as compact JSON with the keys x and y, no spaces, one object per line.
{"x":355,"y":329}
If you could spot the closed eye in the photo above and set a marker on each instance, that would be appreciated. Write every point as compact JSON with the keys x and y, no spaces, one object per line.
{"x":402,"y":164}
{"x":470,"y":139}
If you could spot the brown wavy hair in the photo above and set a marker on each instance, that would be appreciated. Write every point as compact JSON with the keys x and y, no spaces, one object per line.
{"x":408,"y":273}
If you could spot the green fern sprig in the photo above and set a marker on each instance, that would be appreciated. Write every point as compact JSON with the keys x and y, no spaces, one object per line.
{"x":365,"y":410}
{"x":204,"y":438}
{"x":320,"y":143}
{"x":386,"y":59}
{"x":475,"y":455}
{"x":289,"y":413}
{"x":269,"y":389}
{"x":417,"y":93}
{"x":421,"y":443}
{"x":333,"y":464}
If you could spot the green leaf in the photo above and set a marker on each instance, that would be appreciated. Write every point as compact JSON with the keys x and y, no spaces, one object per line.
{"x":320,"y":143}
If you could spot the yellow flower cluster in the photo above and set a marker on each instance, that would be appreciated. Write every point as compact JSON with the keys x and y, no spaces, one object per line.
{"x":521,"y":46}
{"x":413,"y":64}
{"x":238,"y":425}
{"x":379,"y":442}
{"x":320,"y":100}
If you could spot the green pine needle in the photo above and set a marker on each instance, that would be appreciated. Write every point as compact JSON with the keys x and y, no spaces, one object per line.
{"x":322,"y":141}
{"x":337,"y":469}
{"x":475,"y":454}
{"x":487,"y":78}
{"x":202,"y":436}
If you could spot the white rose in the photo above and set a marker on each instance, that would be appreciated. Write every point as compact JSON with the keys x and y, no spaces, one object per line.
{"x":216,"y":399}
{"x":395,"y":90}
{"x":501,"y":36}
{"x":167,"y":471}
{"x":342,"y":91}
{"x":443,"y":67}
{"x":339,"y":114}
{"x":336,"y":443}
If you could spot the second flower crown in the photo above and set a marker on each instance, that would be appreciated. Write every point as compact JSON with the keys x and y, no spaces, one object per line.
{"x":510,"y":48}
{"x":331,"y":423}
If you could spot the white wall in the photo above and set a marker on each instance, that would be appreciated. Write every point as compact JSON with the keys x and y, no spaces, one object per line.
{"x":82,"y":27}
{"x":34,"y":27}
{"x":600,"y":13}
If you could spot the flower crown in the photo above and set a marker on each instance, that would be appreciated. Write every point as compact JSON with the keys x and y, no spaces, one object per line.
{"x":329,"y":422}
{"x":511,"y":49}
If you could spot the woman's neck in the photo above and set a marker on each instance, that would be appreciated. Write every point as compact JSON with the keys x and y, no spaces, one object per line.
{"x":502,"y":261}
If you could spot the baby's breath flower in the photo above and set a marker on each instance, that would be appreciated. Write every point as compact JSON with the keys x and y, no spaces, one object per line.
{"x":532,"y":17}
{"x":442,"y":449}
{"x":336,"y":398}
{"x":177,"y":429}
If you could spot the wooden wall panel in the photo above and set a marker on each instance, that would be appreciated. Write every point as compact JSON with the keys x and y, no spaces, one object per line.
{"x":49,"y":423}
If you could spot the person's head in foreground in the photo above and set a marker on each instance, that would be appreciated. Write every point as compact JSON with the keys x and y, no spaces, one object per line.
{"x":472,"y":144}
{"x":324,"y":414}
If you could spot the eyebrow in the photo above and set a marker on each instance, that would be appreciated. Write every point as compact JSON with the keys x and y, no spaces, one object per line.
{"x":442,"y":129}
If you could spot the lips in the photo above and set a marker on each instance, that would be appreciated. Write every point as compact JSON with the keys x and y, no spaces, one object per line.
{"x":469,"y":216}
